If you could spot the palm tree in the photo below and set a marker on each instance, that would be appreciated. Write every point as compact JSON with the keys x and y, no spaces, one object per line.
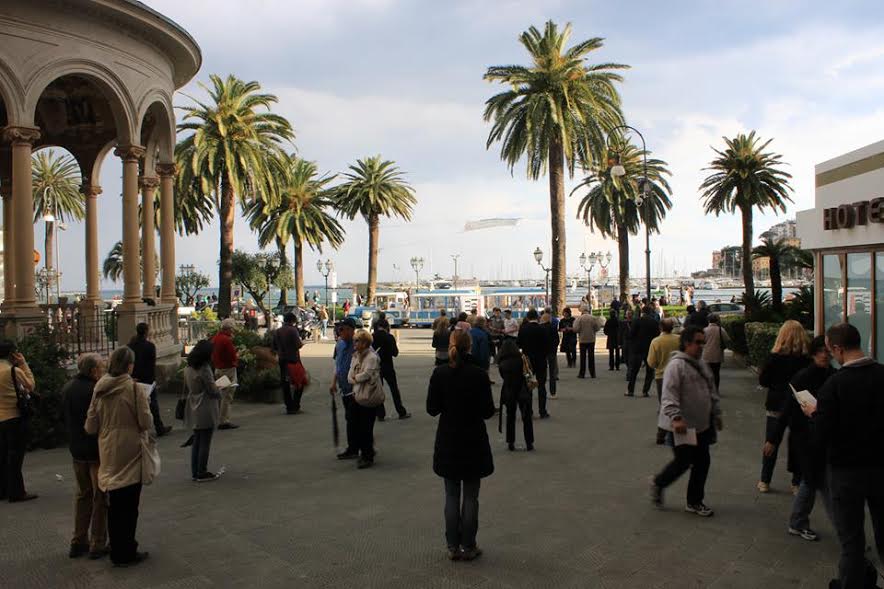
{"x":556,"y":112}
{"x":612,"y":203}
{"x":112,"y":267}
{"x":746,"y":177}
{"x":56,"y":188}
{"x":781,"y":255}
{"x":234,"y":153}
{"x":374,"y":187}
{"x":301,"y":215}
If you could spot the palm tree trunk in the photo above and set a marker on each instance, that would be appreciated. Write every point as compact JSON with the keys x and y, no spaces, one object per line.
{"x":299,"y":272}
{"x":373,"y":231}
{"x":49,"y":250}
{"x":776,"y":284}
{"x":225,"y":267}
{"x":283,"y":259}
{"x":748,"y":278}
{"x":557,"y":222}
{"x":623,"y":258}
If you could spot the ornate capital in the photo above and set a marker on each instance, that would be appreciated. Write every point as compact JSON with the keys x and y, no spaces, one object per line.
{"x":91,"y":190}
{"x":148,"y":183}
{"x":19,"y":135}
{"x":130,"y":153}
{"x":166,"y":170}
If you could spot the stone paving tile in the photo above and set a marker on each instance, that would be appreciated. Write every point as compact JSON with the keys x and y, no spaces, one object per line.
{"x":573,"y":514}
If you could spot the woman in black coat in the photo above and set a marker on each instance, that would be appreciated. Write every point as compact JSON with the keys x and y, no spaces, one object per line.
{"x":515,"y":393}
{"x":460,"y":394}
{"x":612,"y":331}
{"x":569,"y":337}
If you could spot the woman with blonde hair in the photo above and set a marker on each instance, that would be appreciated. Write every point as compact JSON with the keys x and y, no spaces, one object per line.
{"x":365,"y":370}
{"x":790,"y":353}
{"x":460,"y":394}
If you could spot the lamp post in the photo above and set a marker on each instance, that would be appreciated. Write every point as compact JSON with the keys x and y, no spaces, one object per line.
{"x":538,"y":257}
{"x":588,"y":263}
{"x":641,"y":201}
{"x":417,"y":264}
{"x":328,"y":267}
{"x":455,"y":258}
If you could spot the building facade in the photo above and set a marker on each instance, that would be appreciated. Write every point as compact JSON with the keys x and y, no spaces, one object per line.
{"x":845,"y":232}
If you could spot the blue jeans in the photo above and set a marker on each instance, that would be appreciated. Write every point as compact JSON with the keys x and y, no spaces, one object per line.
{"x":199,"y":452}
{"x":461,"y":519}
{"x":803,"y":503}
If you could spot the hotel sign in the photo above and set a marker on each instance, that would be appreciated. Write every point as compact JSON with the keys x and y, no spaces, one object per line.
{"x":850,"y":215}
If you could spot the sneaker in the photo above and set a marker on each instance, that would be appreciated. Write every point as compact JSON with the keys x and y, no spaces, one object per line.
{"x":544,"y":416}
{"x":655,"y":493}
{"x":806,"y":534}
{"x":77,"y":550}
{"x":700,"y":509}
{"x":365,"y":463}
{"x":763,"y":487}
{"x":228,"y":426}
{"x":207,"y":477}
{"x":405,"y":415}
{"x":628,"y":394}
{"x":23,"y":498}
{"x":471,"y":553}
{"x":164,"y":430}
{"x":529,"y":448}
{"x":348,"y":455}
{"x":454,"y":553}
{"x":511,"y":447}
{"x":99,"y":553}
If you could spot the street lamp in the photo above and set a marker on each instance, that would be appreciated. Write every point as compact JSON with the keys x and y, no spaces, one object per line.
{"x":417,"y":265}
{"x":642,"y":200}
{"x":588,"y":263}
{"x":538,"y":257}
{"x":455,"y":258}
{"x":329,"y":267}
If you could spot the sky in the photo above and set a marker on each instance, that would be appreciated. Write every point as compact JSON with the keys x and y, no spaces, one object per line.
{"x":403,"y":78}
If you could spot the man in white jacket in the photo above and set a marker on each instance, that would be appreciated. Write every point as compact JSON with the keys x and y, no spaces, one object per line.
{"x":690,"y":410}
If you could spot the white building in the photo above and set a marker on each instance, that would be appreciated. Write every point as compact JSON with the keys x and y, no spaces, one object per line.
{"x":845,"y":231}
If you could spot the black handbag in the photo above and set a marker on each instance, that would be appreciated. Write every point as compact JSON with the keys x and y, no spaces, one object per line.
{"x":179,"y":409}
{"x":23,"y":399}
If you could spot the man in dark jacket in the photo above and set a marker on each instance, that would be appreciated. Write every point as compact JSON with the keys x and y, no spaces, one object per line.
{"x":612,"y":331}
{"x":90,"y":507}
{"x":534,"y":342}
{"x":144,"y":372}
{"x":287,"y":345}
{"x":847,"y":420}
{"x":384,"y":344}
{"x":641,"y":334}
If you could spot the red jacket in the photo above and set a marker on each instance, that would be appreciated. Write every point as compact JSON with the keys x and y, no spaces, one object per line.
{"x":223,"y":351}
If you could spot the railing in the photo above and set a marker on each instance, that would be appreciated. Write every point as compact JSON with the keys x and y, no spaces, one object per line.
{"x":81,"y":328}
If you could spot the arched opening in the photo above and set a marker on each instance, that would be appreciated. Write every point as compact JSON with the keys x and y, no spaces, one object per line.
{"x":58,"y":203}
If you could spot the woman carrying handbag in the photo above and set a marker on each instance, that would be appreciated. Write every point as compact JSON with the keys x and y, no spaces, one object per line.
{"x":365,"y":376}
{"x":515,"y":370}
{"x":16,"y":386}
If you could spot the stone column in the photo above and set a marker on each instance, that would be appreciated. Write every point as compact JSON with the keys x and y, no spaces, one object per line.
{"x":91,"y":192}
{"x":148,"y":236}
{"x":167,"y":173}
{"x":130,"y":154}
{"x":22,"y":139}
{"x":8,"y":245}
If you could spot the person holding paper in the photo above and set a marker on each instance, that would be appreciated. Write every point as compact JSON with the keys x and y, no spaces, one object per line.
{"x":202,"y":411}
{"x":690,"y":410}
{"x":145,"y":372}
{"x":847,"y":421}
{"x":225,"y":359}
{"x":808,"y":455}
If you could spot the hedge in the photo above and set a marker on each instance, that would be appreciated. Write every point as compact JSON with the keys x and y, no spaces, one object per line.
{"x":668,"y":311}
{"x":760,"y":338}
{"x":735,"y":326}
{"x":47,"y":361}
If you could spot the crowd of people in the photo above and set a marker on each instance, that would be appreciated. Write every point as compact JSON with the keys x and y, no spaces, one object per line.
{"x":835,"y":443}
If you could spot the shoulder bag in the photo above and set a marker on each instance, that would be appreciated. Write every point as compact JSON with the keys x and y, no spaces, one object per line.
{"x":150,"y":454}
{"x":23,"y":399}
{"x":369,"y":393}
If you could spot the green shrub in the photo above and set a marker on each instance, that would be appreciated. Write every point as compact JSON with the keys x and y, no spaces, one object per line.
{"x":735,"y":326}
{"x":760,"y":338}
{"x":259,"y":386}
{"x":47,"y":361}
{"x":801,"y":307}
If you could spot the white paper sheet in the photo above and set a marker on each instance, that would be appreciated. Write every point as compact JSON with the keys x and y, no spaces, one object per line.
{"x":689,"y":438}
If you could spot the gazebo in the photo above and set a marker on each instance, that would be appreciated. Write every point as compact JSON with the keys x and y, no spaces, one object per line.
{"x":94,"y":77}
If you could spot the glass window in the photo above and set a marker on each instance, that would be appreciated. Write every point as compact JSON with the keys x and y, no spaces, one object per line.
{"x":833,"y":291}
{"x":879,"y":304}
{"x":859,"y":296}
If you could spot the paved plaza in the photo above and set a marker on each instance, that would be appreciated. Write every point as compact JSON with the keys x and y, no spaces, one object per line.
{"x":574,"y":513}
